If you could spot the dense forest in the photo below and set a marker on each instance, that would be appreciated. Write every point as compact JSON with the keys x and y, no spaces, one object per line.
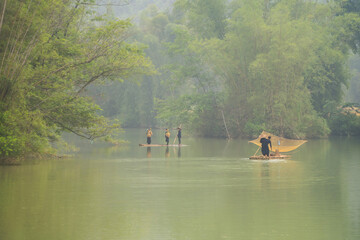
{"x":218,"y":68}
{"x":284,"y":66}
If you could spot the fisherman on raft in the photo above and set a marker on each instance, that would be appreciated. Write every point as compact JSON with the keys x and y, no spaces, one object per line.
{"x":148,"y":136}
{"x":179,"y":135}
{"x":265,"y":145}
{"x":167,"y":136}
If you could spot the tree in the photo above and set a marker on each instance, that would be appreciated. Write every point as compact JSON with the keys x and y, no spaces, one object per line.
{"x":49,"y":60}
{"x":207,"y":18}
{"x":349,"y":22}
{"x":268,"y":49}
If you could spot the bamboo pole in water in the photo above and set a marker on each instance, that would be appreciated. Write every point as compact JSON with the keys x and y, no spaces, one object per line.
{"x":227,"y":132}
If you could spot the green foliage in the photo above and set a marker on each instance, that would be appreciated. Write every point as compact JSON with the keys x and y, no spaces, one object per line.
{"x":173,"y":112}
{"x":9,"y":145}
{"x":325,"y":78}
{"x":49,"y":60}
{"x":348,"y":23}
{"x":350,"y":5}
{"x":253,"y":130}
{"x":207,"y":18}
{"x":21,"y":133}
{"x":275,"y":49}
{"x":345,"y":124}
{"x":279,"y":65}
{"x":353,"y":92}
{"x":199,"y":114}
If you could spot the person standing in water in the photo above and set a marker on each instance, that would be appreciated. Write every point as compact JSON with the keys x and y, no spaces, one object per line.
{"x":167,"y":136}
{"x":265,"y":145}
{"x":148,"y":136}
{"x":179,"y":135}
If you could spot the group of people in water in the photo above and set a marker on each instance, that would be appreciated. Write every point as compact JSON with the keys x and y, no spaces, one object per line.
{"x":149,"y":134}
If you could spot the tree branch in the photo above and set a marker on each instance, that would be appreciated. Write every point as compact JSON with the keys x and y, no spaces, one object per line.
{"x":69,"y":129}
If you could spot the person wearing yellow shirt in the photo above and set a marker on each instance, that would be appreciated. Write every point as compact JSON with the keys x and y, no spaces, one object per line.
{"x":148,"y":136}
{"x":167,"y":136}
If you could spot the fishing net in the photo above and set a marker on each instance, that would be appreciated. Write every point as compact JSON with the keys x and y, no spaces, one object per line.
{"x":279,"y":143}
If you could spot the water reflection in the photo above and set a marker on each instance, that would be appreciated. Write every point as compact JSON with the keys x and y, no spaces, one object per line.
{"x":148,"y":152}
{"x":167,"y":152}
{"x":176,"y":151}
{"x":265,"y":175}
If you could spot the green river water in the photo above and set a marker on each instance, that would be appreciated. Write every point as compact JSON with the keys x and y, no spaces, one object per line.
{"x":208,"y":190}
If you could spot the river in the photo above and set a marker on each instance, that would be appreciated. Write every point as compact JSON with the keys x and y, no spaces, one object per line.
{"x":207,"y":190}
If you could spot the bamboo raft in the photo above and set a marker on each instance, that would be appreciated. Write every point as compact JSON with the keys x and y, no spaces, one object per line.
{"x":161,"y":145}
{"x":261,"y":157}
